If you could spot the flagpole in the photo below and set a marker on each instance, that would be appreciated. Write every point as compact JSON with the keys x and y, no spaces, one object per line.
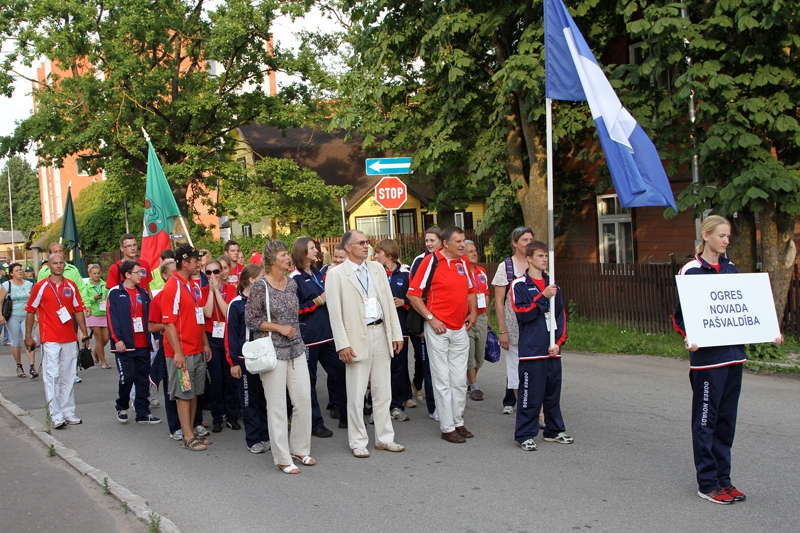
{"x":11,"y":215}
{"x":551,"y":263}
{"x":186,"y":231}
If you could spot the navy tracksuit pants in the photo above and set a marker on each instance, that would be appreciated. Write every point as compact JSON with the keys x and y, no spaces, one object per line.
{"x":224,"y":400}
{"x":134,"y":369}
{"x":539,"y":384}
{"x":326,"y":355}
{"x":421,"y":352}
{"x":401,"y":382}
{"x":715,"y":402}
{"x":254,"y":407}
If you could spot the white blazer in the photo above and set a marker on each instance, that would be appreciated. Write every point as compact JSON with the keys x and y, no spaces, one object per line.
{"x":345,"y":302}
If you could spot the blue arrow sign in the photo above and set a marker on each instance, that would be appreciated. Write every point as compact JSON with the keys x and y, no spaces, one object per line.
{"x":388,"y":165}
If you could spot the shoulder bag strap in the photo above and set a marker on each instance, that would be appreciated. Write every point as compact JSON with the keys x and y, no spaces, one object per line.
{"x":266,"y":301}
{"x":435,"y":262}
{"x":509,"y":274}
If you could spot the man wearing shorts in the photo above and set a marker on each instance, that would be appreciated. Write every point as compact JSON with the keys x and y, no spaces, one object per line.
{"x":187,"y":349}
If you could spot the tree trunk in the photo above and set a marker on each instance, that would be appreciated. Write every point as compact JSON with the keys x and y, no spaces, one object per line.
{"x":742,"y":250}
{"x":778,"y":253}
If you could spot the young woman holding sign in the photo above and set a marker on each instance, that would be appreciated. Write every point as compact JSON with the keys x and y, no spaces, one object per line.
{"x":715,"y":374}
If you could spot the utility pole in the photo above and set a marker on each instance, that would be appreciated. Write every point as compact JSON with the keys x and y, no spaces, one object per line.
{"x":11,"y":213}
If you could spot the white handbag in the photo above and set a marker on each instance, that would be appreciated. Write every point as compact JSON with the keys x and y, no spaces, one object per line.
{"x":259,"y":355}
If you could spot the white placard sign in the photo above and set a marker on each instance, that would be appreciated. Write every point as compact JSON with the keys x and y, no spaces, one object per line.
{"x":728,"y":309}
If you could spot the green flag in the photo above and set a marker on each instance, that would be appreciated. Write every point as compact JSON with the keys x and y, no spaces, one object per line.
{"x":69,"y":233}
{"x":160,"y":210}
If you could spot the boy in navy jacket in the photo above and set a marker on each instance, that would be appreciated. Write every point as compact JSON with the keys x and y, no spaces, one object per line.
{"x":128,"y":311}
{"x":539,"y":362}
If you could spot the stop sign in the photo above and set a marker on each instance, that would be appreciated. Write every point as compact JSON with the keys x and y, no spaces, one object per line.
{"x":391,"y":193}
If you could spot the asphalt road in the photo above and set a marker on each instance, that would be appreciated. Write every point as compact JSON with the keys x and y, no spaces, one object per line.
{"x":630,"y":468}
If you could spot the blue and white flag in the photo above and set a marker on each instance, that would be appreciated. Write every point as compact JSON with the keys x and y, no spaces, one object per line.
{"x":572,"y":73}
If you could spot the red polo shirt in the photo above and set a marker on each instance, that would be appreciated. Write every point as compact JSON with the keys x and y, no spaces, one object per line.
{"x":179,"y":299}
{"x":449,"y":289}
{"x":47,"y":298}
{"x":113,"y":275}
{"x":228,"y":291}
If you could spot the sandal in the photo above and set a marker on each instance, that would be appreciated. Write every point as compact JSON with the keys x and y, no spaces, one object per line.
{"x":307,"y":460}
{"x":105,"y":366}
{"x":202,"y":440}
{"x":20,"y":372}
{"x":289,"y":469}
{"x":193,"y":444}
{"x":33,"y":372}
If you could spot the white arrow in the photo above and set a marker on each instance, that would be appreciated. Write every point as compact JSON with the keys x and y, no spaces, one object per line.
{"x":377,"y":165}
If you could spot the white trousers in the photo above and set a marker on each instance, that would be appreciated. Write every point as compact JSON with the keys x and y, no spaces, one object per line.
{"x":512,"y":365}
{"x":375,"y":369}
{"x":291,"y":375}
{"x":59,"y":366}
{"x":447,"y":355}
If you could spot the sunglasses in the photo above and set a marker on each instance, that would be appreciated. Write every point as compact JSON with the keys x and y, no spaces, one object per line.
{"x":215,"y":271}
{"x":360,"y":243}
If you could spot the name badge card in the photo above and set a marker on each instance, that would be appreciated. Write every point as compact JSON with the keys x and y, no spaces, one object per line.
{"x":481,"y":301}
{"x":64,"y":315}
{"x":102,"y":305}
{"x":138,"y":327}
{"x":219,"y":330}
{"x":371,"y":307}
{"x":728,"y":309}
{"x":547,"y":319}
{"x":198,"y":315}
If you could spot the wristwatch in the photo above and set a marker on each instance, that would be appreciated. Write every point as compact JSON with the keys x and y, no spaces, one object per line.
{"x":429,"y":317}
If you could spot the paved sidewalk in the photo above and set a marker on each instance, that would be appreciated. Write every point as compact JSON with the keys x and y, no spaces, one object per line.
{"x":42,"y":493}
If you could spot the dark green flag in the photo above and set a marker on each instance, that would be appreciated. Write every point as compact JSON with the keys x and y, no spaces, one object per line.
{"x":69,"y":235}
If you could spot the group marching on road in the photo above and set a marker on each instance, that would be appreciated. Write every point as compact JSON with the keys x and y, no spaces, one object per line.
{"x":184,"y":326}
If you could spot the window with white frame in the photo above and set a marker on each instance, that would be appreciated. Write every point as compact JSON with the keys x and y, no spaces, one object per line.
{"x":615,"y":231}
{"x":373,"y":226}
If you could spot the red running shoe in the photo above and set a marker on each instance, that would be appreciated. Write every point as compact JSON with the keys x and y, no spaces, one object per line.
{"x":737,"y":494}
{"x":720,"y":496}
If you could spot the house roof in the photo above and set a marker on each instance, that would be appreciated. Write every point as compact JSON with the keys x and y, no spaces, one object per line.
{"x":338,"y":162}
{"x":5,"y":237}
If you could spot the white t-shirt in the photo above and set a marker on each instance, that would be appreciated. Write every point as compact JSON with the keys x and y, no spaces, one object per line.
{"x":501,"y":280}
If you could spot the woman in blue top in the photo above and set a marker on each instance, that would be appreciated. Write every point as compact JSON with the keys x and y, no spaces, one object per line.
{"x":94,"y":294}
{"x":715,"y":374}
{"x":20,"y":290}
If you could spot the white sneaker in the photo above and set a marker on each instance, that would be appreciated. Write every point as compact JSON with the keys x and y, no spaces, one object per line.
{"x":561,"y":438}
{"x":73,"y":420}
{"x":399,"y":415}
{"x":389,"y":447}
{"x":200,"y":431}
{"x":410,"y":404}
{"x":78,"y":379}
{"x":257,"y":448}
{"x":434,"y":415}
{"x":154,"y":402}
{"x":178,"y":435}
{"x":266,"y":444}
{"x":509,"y":410}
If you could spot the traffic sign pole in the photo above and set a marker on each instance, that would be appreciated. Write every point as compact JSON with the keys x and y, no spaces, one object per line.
{"x":390,"y":213}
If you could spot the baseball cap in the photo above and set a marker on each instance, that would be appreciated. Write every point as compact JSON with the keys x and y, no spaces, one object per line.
{"x":185,"y":252}
{"x":29,"y":269}
{"x":3,"y":266}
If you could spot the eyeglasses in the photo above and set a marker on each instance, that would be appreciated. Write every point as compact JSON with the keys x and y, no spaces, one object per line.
{"x":136,"y":272}
{"x":360,"y":243}
{"x":215,"y":271}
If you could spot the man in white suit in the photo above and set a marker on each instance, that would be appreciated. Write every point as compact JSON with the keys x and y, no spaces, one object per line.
{"x":366,"y":331}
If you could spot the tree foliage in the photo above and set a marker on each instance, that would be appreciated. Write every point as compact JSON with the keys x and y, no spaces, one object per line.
{"x":461,"y":86}
{"x":188,"y":72}
{"x":280,"y":189}
{"x":24,"y":196}
{"x":745,"y":56}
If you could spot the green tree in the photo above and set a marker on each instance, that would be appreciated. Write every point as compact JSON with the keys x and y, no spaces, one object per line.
{"x":461,"y":86}
{"x":24,"y":196}
{"x":189,"y":72}
{"x":745,"y":56}
{"x":279,"y":188}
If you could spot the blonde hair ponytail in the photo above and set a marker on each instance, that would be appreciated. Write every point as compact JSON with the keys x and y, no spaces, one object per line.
{"x":708,"y":226}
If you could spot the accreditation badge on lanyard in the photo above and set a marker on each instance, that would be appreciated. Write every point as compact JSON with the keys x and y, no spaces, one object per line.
{"x":63,"y":314}
{"x":370,"y":303}
{"x":198,"y":311}
{"x":481,"y":295}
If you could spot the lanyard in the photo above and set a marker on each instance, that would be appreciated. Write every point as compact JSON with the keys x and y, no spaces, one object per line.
{"x":319,"y":284}
{"x":213,"y":296}
{"x":52,"y":286}
{"x":135,"y":305}
{"x":366,"y":273}
{"x":186,"y":286}
{"x":98,"y":289}
{"x":476,"y":279}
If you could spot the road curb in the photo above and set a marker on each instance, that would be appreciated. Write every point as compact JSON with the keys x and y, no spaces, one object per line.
{"x":135,"y":503}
